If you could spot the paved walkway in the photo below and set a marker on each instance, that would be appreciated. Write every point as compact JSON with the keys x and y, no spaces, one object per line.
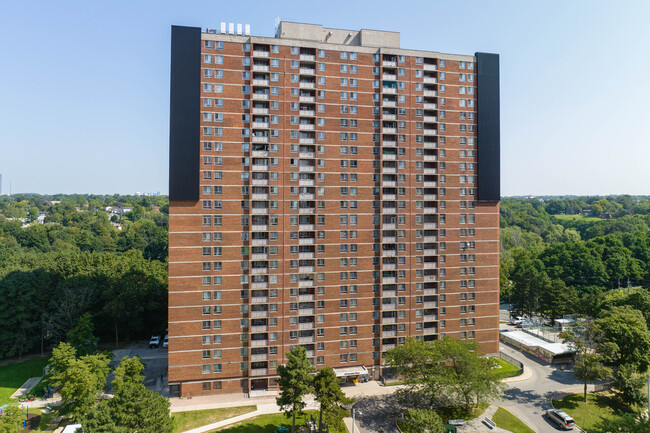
{"x":27,"y":386}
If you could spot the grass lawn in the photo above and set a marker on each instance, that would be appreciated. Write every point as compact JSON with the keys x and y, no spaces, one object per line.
{"x":508,"y":421}
{"x":196,"y":418}
{"x":586,"y":415}
{"x":12,"y":376}
{"x":507,"y":369}
{"x":576,"y":218}
{"x":458,"y":412}
{"x":268,"y":423}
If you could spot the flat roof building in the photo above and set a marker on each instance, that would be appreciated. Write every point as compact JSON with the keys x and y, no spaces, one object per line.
{"x":331,"y":190}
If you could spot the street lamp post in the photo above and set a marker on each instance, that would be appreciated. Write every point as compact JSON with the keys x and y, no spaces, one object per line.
{"x":353,"y":418}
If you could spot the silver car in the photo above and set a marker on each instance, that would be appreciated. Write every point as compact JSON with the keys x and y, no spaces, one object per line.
{"x":561,"y":418}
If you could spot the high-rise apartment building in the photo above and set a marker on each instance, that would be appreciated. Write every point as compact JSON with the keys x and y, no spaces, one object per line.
{"x":328,"y":189}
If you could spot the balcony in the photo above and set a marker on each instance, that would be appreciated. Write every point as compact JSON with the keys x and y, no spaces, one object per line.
{"x":306,"y":169}
{"x":389,"y":90}
{"x":306,"y":182}
{"x":259,"y":82}
{"x":385,"y":347}
{"x":430,"y":158}
{"x":430,"y":291}
{"x":306,"y":227}
{"x":429,"y":67}
{"x":389,"y":253}
{"x":260,"y":153}
{"x":430,"y":197}
{"x":430,"y":265}
{"x":306,"y":297}
{"x":389,"y":143}
{"x":307,"y":255}
{"x":389,"y":280}
{"x":430,"y":210}
{"x":430,"y":225}
{"x":259,"y":256}
{"x":261,"y":139}
{"x":389,"y":239}
{"x":430,"y":80}
{"x":430,"y":315}
{"x":307,"y":141}
{"x":260,"y":357}
{"x":261,"y":96}
{"x":430,"y":252}
{"x":389,"y":130}
{"x":260,"y":211}
{"x":389,"y":333}
{"x":389,"y":117}
{"x":388,"y":157}
{"x":430,"y":145}
{"x":430,"y":184}
{"x":259,"y":299}
{"x":307,"y":99}
{"x":430,"y":106}
{"x":261,"y":53}
{"x":306,"y":311}
{"x":260,"y":314}
{"x":260,"y":182}
{"x":259,"y":328}
{"x":307,"y":113}
{"x":307,"y":127}
{"x":389,"y":293}
{"x":307,"y":269}
{"x":306,"y":283}
{"x":309,"y":325}
{"x":389,"y":196}
{"x":432,"y":304}
{"x":388,"y":307}
{"x":389,"y":182}
{"x":428,"y":131}
{"x":257,"y":271}
{"x":429,"y":331}
{"x":431,"y":239}
{"x":261,"y":125}
{"x":261,"y":68}
{"x":259,"y":167}
{"x":308,"y":57}
{"x":389,"y":210}
{"x":389,"y":103}
{"x":310,"y":339}
{"x":390,"y":77}
{"x":259,"y":242}
{"x":389,"y":63}
{"x":307,"y":71}
{"x":307,"y":85}
{"x":259,"y":372}
{"x":430,"y":278}
{"x":389,"y":225}
{"x":310,"y":353}
{"x":388,"y":320}
{"x":260,"y":285}
{"x":389,"y":266}
{"x":430,"y":118}
{"x":306,"y":241}
{"x":260,"y":110}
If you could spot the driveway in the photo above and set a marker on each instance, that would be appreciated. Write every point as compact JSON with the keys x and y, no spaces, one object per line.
{"x":529,"y":399}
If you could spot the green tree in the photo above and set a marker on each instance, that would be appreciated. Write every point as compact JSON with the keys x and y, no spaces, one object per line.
{"x":442,"y":372}
{"x":82,"y":336}
{"x":133,"y":409}
{"x":129,"y":370}
{"x":11,"y":420}
{"x":295,"y":382}
{"x":327,"y":390}
{"x":422,"y":421}
{"x":80,"y":381}
{"x":628,"y":386}
{"x":628,"y":423}
{"x":591,"y":354}
{"x":626,"y":329}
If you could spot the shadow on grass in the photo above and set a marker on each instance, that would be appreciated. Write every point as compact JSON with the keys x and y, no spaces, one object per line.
{"x":256,"y":428}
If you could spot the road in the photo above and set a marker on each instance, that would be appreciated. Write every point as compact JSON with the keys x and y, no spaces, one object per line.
{"x":528,"y":399}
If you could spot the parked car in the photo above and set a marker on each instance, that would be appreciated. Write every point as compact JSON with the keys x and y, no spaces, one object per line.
{"x":154,"y":342}
{"x":561,"y":418}
{"x":516,"y":320}
{"x":166,"y":341}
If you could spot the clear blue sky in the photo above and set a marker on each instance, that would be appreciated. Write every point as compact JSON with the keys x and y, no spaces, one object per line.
{"x":84,"y":85}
